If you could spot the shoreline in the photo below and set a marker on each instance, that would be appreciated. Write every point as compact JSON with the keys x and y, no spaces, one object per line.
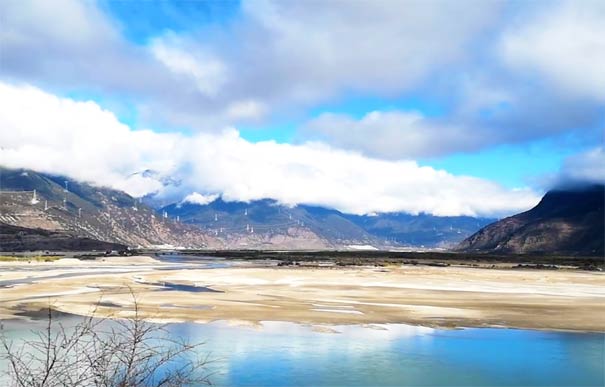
{"x":39,"y":316}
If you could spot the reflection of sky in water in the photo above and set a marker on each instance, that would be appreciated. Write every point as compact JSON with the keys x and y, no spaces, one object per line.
{"x":285,"y":354}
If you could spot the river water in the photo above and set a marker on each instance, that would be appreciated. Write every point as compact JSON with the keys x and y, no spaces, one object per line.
{"x":288,"y":354}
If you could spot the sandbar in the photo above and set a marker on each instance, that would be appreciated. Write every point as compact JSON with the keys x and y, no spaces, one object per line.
{"x":447,"y":297}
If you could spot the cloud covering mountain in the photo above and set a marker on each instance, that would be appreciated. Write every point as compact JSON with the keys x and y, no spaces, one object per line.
{"x":81,"y":140}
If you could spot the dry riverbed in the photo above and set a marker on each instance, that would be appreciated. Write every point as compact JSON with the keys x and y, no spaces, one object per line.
{"x":431,"y":296}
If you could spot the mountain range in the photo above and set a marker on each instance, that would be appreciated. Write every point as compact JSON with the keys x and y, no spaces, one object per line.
{"x":262,"y":222}
{"x":39,"y":210}
{"x":36,"y":200}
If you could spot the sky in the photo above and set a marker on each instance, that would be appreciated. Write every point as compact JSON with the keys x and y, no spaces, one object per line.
{"x":443,"y":107}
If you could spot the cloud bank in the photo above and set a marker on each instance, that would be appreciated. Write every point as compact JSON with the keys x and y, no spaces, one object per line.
{"x":392,"y":135}
{"x":79,"y":139}
{"x":587,"y":166}
{"x":565,"y":45}
{"x":542,"y":75}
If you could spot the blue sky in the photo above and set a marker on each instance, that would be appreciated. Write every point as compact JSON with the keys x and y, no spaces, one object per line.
{"x":510,"y":94}
{"x":142,"y":21}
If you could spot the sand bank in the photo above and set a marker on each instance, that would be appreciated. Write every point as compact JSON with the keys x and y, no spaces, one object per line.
{"x":429,"y":296}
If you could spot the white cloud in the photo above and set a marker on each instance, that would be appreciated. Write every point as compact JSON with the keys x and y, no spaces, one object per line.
{"x":24,"y":21}
{"x":391,"y":134}
{"x":314,"y":173}
{"x":70,"y":43}
{"x":311,"y":50}
{"x":564,"y":42}
{"x":246,"y":109}
{"x":201,"y":199}
{"x":81,"y":140}
{"x":586,"y":166}
{"x":207,"y":72}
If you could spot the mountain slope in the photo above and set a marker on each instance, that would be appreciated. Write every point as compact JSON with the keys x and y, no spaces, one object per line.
{"x":15,"y":238}
{"x":80,"y":209}
{"x":566,"y":221}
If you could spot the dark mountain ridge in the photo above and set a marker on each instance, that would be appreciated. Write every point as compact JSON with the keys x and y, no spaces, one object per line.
{"x":569,"y":220}
{"x":15,"y":238}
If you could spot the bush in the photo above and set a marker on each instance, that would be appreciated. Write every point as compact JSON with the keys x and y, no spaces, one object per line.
{"x":98,"y":352}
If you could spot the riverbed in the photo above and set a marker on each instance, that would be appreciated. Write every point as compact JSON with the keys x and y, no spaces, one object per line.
{"x":207,"y":289}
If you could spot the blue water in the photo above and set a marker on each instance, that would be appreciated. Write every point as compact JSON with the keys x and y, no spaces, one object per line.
{"x":288,"y":354}
{"x":285,"y":354}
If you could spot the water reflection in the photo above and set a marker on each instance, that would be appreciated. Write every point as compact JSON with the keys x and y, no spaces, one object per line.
{"x":286,"y":354}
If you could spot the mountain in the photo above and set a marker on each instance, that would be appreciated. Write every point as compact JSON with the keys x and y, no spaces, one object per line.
{"x":40,"y":201}
{"x":566,"y":221}
{"x":261,"y":223}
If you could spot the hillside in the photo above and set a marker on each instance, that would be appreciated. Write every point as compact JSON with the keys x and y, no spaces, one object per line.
{"x":566,"y":221}
{"x":83,"y":210}
{"x":14,"y":238}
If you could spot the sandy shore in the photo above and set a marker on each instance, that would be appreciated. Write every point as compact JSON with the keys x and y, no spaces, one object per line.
{"x":430,"y":296}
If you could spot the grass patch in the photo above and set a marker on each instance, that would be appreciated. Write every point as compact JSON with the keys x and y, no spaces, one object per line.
{"x":34,"y":258}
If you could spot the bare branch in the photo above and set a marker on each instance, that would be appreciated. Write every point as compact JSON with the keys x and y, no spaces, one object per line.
{"x":105,"y":353}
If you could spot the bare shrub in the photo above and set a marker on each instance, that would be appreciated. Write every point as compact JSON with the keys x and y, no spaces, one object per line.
{"x":105,"y":353}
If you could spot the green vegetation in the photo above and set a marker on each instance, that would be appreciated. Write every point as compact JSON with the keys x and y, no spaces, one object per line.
{"x":33,"y":258}
{"x":386,"y":258}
